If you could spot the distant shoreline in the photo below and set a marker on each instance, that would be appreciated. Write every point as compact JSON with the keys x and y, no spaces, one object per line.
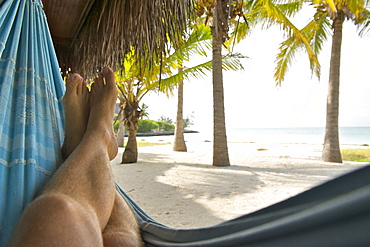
{"x":162,"y":133}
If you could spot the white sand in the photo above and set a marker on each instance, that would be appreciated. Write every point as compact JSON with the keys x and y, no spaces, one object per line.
{"x":184,"y":190}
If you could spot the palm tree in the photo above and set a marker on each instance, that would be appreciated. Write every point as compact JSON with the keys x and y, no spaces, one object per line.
{"x":218,"y":10}
{"x":219,"y":36}
{"x":224,"y":14}
{"x":131,"y":82}
{"x":135,"y":81}
{"x":196,"y":43}
{"x":121,"y":127}
{"x":179,"y":144}
{"x":329,"y":16}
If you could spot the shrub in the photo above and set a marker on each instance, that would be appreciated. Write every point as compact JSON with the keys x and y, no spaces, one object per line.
{"x":146,"y":125}
{"x":165,"y":126}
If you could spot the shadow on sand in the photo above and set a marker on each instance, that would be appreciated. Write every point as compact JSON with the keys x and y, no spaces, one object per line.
{"x":166,"y":190}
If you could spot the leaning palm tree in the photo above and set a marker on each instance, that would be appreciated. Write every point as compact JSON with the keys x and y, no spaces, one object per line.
{"x":329,"y":16}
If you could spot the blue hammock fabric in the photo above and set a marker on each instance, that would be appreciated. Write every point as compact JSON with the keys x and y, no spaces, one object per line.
{"x":31,"y":114}
{"x":336,"y":213}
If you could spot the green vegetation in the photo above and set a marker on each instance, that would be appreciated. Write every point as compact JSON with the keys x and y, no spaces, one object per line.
{"x":116,"y":126}
{"x":149,"y":144}
{"x":165,"y":126}
{"x":357,"y":154}
{"x":147,"y":125}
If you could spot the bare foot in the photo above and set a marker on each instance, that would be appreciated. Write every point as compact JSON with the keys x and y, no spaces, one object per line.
{"x":122,"y":228}
{"x":76,"y":110}
{"x":103,"y":97}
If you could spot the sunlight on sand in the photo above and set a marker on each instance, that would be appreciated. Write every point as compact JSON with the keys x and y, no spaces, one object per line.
{"x":184,"y":190}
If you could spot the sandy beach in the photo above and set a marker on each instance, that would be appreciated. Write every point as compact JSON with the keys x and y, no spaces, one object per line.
{"x":184,"y":190}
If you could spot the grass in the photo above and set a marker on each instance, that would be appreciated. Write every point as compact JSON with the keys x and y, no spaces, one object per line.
{"x":357,"y":154}
{"x":149,"y":144}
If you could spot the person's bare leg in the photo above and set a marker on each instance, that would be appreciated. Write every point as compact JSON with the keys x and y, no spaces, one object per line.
{"x":76,"y":109}
{"x":77,"y":202}
{"x":122,"y":228}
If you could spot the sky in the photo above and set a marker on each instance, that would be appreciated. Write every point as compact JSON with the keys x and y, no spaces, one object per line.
{"x":252,"y":99}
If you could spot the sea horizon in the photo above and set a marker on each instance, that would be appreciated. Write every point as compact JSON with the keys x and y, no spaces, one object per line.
{"x":285,"y":135}
{"x":349,"y":135}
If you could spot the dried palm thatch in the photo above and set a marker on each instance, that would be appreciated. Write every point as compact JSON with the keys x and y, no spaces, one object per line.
{"x":113,"y":27}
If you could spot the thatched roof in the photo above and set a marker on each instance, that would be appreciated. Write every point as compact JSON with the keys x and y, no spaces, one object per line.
{"x":89,"y":34}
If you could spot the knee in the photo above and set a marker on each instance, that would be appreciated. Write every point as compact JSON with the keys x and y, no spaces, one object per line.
{"x":58,"y":211}
{"x":51,"y":203}
{"x":52,"y":217}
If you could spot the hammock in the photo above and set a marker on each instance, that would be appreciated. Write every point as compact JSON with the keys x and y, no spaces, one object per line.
{"x":31,"y":126}
{"x":336,"y":213}
{"x":31,"y":115}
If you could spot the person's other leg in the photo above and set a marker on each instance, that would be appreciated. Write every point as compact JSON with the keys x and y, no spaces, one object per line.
{"x":122,"y":228}
{"x":76,"y":112}
{"x":77,"y":202}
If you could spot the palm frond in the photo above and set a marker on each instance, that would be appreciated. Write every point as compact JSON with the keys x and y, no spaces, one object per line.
{"x":363,"y":21}
{"x":285,"y":57}
{"x":365,"y":28}
{"x":332,"y":7}
{"x":291,"y":8}
{"x":198,"y":42}
{"x":229,"y":62}
{"x":238,"y":34}
{"x":273,"y":14}
{"x":315,"y":32}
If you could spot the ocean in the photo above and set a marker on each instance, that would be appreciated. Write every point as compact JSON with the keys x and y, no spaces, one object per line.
{"x":312,"y":135}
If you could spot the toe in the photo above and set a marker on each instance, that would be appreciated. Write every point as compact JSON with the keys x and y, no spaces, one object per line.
{"x":82,"y":89}
{"x":98,"y":82}
{"x":73,"y":83}
{"x":109,"y":76}
{"x":74,"y":79}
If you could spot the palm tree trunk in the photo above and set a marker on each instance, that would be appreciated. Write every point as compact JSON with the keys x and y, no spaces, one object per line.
{"x":121,"y":129}
{"x":180,"y":144}
{"x":130,"y":154}
{"x":331,"y":150}
{"x":220,"y":150}
{"x":132,"y":121}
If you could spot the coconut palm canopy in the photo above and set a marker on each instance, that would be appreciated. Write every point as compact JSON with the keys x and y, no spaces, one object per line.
{"x":89,"y":34}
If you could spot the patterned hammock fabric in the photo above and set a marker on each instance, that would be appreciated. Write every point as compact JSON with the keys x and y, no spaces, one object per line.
{"x":31,"y":115}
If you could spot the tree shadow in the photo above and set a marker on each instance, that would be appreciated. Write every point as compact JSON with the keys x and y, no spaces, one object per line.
{"x":186,"y":194}
{"x":181,"y":197}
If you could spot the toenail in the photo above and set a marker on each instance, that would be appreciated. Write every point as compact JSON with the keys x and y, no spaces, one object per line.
{"x":105,"y":71}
